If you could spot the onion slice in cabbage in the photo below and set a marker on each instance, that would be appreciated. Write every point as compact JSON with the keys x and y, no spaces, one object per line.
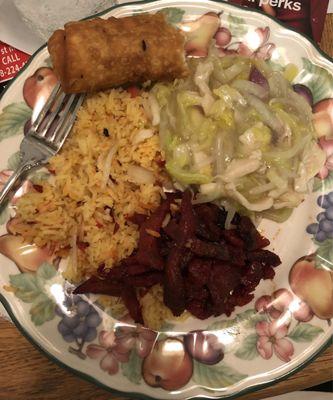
{"x":264,"y":204}
{"x":240,"y":167}
{"x":244,"y":86}
{"x":265,"y":113}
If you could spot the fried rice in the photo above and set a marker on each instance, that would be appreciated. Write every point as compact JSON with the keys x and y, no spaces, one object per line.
{"x":81,"y":212}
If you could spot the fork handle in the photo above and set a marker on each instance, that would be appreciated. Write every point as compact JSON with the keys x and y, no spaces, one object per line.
{"x":13,"y":179}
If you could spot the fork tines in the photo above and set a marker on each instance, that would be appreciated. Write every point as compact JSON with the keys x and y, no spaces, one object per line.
{"x":56,"y":118}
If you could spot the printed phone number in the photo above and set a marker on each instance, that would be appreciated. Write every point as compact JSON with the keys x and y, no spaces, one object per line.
{"x":11,"y":70}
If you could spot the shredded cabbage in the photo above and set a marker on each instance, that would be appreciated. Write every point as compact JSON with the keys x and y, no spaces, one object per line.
{"x":186,"y":177}
{"x":250,"y":87}
{"x":240,"y":142}
{"x":259,"y":136}
{"x":201,"y":79}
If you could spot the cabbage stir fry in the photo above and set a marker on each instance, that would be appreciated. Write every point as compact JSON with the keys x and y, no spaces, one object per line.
{"x":238,"y":131}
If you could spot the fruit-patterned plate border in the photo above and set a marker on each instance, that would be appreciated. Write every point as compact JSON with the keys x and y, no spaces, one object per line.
{"x":267,"y":381}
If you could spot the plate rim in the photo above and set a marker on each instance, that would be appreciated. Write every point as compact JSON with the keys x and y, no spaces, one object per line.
{"x":136,"y":395}
{"x":25,"y":332}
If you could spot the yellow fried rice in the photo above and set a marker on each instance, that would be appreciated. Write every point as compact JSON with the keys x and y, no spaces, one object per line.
{"x":81,"y":211}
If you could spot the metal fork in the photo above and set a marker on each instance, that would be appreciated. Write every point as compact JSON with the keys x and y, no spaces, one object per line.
{"x":46,"y":135}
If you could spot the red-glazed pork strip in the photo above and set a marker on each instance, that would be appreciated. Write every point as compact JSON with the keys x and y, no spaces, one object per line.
{"x":131,"y":301}
{"x":223,"y":280}
{"x":251,"y":237}
{"x":148,"y":252}
{"x":203,"y":267}
{"x":265,"y":257}
{"x":145,"y":280}
{"x":100,"y":286}
{"x":206,"y":249}
{"x":174,"y":284}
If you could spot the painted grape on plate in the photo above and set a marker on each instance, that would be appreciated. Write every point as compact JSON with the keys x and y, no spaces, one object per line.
{"x":78,"y":323}
{"x":323,"y":228}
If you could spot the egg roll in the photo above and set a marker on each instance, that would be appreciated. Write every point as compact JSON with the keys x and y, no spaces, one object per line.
{"x":100,"y":53}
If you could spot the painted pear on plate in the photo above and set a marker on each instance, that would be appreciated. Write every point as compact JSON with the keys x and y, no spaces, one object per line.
{"x":323,"y":118}
{"x":38,"y":87}
{"x":313,"y":285}
{"x":27,"y":257}
{"x":200,"y":33}
{"x":168,"y":366}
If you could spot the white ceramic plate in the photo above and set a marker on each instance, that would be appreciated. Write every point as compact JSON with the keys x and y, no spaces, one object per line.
{"x":256,"y":351}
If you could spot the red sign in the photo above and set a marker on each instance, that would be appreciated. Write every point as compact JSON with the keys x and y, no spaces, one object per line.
{"x":11,"y":61}
{"x":307,"y":16}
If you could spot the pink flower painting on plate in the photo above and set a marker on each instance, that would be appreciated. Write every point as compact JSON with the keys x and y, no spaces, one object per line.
{"x":272,"y":339}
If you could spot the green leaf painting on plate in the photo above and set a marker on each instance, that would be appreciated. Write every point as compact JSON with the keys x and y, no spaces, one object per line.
{"x":26,"y":285}
{"x":248,"y":348}
{"x":30,"y":288}
{"x":12,"y":119}
{"x":13,"y":161}
{"x":323,"y":184}
{"x":304,"y":333}
{"x":215,"y":376}
{"x":237,"y":25}
{"x":132,"y":368}
{"x":246,"y":319}
{"x":324,"y":255}
{"x":229,"y":324}
{"x":318,"y":79}
{"x":249,"y":318}
{"x":173,"y":15}
{"x":45,"y":272}
{"x":42,"y":310}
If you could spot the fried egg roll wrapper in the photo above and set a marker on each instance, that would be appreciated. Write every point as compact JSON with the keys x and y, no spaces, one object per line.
{"x":99,"y":54}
